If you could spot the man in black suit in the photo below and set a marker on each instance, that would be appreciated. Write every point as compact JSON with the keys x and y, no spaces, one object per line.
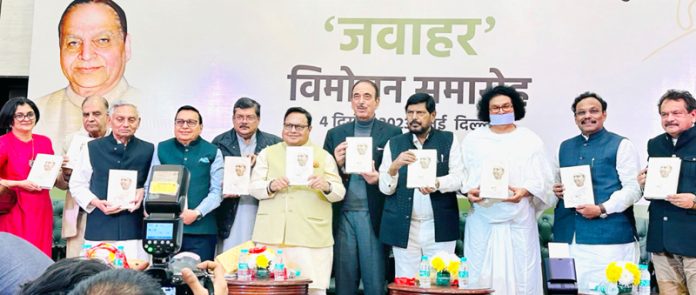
{"x":237,"y":214}
{"x":358,"y":253}
{"x":672,"y":222}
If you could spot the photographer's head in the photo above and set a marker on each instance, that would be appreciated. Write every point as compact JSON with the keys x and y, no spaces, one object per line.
{"x":118,"y":281}
{"x":63,"y":276}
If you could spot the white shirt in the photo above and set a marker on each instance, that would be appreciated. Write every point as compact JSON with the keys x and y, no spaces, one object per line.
{"x":422,"y":207}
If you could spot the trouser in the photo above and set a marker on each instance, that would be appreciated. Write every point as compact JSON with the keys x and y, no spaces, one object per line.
{"x":358,"y":254}
{"x":421,"y":241}
{"x":675,"y":274}
{"x":203,"y":245}
{"x":73,"y":245}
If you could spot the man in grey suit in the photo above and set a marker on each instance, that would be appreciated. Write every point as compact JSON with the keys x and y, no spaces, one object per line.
{"x":237,"y":214}
{"x":358,"y":253}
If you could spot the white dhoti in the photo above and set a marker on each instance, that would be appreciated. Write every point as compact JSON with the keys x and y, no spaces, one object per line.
{"x":504,"y":255}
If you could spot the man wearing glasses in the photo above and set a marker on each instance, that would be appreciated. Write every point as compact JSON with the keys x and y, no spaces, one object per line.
{"x":205,"y":165}
{"x":236,"y":215}
{"x":297,"y":218}
{"x":604,"y":231}
{"x":422,"y":221}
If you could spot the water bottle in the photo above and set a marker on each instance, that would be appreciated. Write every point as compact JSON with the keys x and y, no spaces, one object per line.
{"x":118,"y":257}
{"x":279,"y":266}
{"x":644,"y":287}
{"x":85,"y":248}
{"x":243,"y":266}
{"x":424,"y":273}
{"x":463,"y":273}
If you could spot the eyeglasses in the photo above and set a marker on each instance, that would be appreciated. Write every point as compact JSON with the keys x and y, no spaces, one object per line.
{"x":417,"y":114}
{"x":189,"y":123}
{"x":500,"y":109}
{"x":247,"y":118}
{"x":290,"y":127}
{"x":592,"y":112}
{"x":21,"y":116}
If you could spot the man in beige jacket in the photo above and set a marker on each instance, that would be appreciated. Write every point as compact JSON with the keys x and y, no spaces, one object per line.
{"x":297,"y":218}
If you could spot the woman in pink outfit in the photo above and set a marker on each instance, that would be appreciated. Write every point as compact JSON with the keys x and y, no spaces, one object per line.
{"x":32,"y":217}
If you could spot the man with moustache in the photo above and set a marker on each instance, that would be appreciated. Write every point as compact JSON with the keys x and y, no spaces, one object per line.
{"x":94,"y":120}
{"x":356,"y":220}
{"x":296,"y":218}
{"x":204,"y":162}
{"x":89,"y":182}
{"x":421,"y":221}
{"x":94,"y":48}
{"x":672,"y":222}
{"x":236,"y":215}
{"x":605,"y":231}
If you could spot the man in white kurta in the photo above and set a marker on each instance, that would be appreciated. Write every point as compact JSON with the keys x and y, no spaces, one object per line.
{"x":94,"y":119}
{"x":501,"y":236}
{"x":603,"y":231}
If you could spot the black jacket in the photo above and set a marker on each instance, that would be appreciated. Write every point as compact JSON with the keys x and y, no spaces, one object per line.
{"x":228,"y":145}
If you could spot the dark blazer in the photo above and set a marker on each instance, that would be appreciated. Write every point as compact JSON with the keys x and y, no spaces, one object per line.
{"x":228,"y":145}
{"x":672,"y":229}
{"x":381,"y":133}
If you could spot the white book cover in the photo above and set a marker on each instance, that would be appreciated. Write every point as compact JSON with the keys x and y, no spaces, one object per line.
{"x":422,"y":172}
{"x":358,"y":155}
{"x":237,"y":176}
{"x":299,"y":164}
{"x":577,"y":186}
{"x":121,"y":189}
{"x":77,"y":145}
{"x":495,"y":181}
{"x":45,"y":170}
{"x":662,"y":178}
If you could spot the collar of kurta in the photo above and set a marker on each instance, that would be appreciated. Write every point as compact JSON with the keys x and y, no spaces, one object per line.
{"x":415,"y":140}
{"x":191,"y":144}
{"x":308,"y":143}
{"x":595,"y":136}
{"x":113,"y":140}
{"x":118,"y":91}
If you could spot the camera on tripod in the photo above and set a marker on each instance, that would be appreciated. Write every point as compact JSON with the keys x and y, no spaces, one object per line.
{"x":163,"y":229}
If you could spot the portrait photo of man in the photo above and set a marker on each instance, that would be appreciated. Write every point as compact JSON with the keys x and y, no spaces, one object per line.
{"x":48,"y":165}
{"x":362,"y":148}
{"x":94,"y":49}
{"x":665,"y":170}
{"x":302,"y":159}
{"x":424,"y":162}
{"x":239,"y":169}
{"x":236,"y":175}
{"x":299,"y":165}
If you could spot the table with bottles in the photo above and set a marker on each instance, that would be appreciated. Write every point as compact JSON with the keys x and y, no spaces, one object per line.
{"x":395,"y":289}
{"x":269,"y":286}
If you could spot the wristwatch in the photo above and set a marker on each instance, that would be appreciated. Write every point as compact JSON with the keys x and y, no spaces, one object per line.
{"x":200,"y":214}
{"x":603,"y":210}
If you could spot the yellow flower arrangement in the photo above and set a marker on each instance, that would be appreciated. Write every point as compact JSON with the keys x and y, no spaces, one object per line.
{"x":445,"y":262}
{"x":262,"y":261}
{"x":624,"y":273}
